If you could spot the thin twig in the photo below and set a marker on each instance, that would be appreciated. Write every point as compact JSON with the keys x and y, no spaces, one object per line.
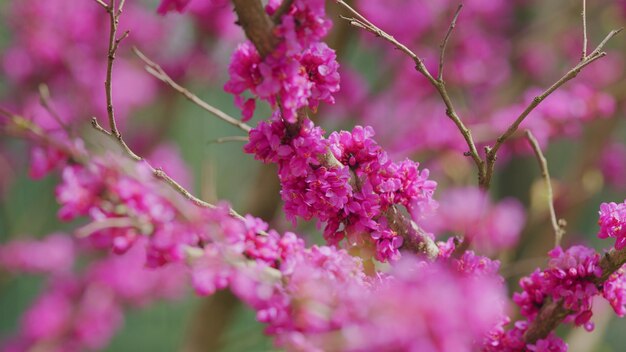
{"x":557,"y":225}
{"x":113,"y":22}
{"x":97,"y":225}
{"x":228,"y":139}
{"x":120,"y":8}
{"x":103,"y":4}
{"x":160,"y":174}
{"x":360,"y":21}
{"x":45,"y":101}
{"x":445,"y":42}
{"x":584,"y":16}
{"x":125,"y":147}
{"x":155,"y":70}
{"x":492,"y":151}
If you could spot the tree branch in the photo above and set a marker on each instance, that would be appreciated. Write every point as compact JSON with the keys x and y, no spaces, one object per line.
{"x":256,"y":24}
{"x":557,"y":224}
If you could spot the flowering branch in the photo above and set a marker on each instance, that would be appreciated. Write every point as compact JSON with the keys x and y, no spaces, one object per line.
{"x":258,"y":27}
{"x":557,"y":225}
{"x":155,"y":70}
{"x":114,"y":132}
{"x":553,"y":313}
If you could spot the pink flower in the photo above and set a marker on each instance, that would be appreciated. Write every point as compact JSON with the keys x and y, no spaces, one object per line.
{"x":612,"y":223}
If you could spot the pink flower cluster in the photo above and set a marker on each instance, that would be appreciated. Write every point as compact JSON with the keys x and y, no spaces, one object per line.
{"x":123,"y":209}
{"x":311,"y":189}
{"x":319,"y":298}
{"x":569,"y":278}
{"x":612,"y":223}
{"x":300,"y":72}
{"x":512,"y":340}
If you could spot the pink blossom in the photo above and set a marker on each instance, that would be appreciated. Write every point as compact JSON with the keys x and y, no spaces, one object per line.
{"x":612,"y":223}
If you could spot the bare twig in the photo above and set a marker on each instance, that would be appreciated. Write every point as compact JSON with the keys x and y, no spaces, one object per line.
{"x":113,"y":45}
{"x":160,"y":174}
{"x":120,"y":141}
{"x":492,"y":151}
{"x":281,"y":10}
{"x":557,"y":224}
{"x":361,"y":22}
{"x":228,"y":139}
{"x":45,"y":101}
{"x":584,"y":16}
{"x":444,"y":43}
{"x":102,"y":3}
{"x":155,"y":70}
{"x":101,"y":224}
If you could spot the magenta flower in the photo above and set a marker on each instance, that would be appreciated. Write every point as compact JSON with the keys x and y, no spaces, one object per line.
{"x":612,"y":223}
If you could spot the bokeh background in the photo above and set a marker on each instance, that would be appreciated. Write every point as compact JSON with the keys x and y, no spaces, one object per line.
{"x":499,"y":52}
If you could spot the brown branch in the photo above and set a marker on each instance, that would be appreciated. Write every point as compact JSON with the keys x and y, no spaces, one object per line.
{"x":113,"y":45}
{"x":553,"y":313}
{"x":492,"y":151}
{"x":281,"y":10}
{"x":360,"y":21}
{"x":445,"y":41}
{"x":548,"y":318}
{"x":155,"y":70}
{"x":257,"y":25}
{"x":557,"y":224}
